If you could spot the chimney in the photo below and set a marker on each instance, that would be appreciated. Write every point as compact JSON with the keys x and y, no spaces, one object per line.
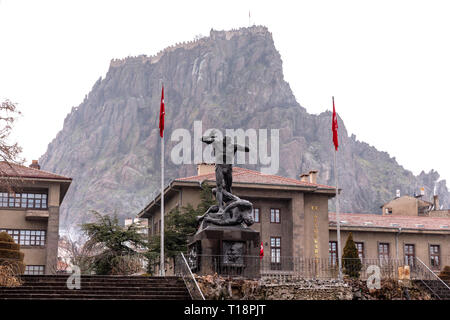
{"x":313,"y":176}
{"x":422,"y":191}
{"x":397,"y":193}
{"x":35,"y":165}
{"x":304,"y":177}
{"x":205,"y":168}
{"x":436,"y":202}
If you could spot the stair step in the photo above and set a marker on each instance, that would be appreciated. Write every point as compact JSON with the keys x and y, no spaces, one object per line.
{"x":95,"y":297}
{"x":98,"y":288}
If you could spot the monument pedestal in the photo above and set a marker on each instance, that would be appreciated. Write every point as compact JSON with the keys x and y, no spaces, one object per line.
{"x":227,"y":251}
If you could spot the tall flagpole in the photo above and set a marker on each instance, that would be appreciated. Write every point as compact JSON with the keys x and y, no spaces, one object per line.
{"x":162,"y":270}
{"x":338,"y":219}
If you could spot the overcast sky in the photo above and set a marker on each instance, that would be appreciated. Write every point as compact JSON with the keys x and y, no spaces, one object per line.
{"x":386,"y":62}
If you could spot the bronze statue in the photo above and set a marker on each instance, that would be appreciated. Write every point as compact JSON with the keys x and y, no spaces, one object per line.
{"x":224,"y":151}
{"x":237,"y":212}
{"x":230,"y":209}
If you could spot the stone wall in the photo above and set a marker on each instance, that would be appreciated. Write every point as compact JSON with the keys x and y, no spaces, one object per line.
{"x":187,"y":45}
{"x":217,"y":288}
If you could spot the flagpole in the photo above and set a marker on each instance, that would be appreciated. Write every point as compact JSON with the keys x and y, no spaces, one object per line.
{"x":338,"y":220}
{"x":162,"y":270}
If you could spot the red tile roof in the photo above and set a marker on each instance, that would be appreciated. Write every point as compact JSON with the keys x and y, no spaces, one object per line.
{"x":380,"y":221}
{"x":242,"y":175}
{"x":17,"y":170}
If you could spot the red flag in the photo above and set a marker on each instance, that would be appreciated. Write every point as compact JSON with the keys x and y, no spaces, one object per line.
{"x":162,"y":112}
{"x":261,"y":251}
{"x":334,"y":128}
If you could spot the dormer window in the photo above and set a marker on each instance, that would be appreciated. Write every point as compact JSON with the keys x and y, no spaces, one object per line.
{"x":388,"y":211}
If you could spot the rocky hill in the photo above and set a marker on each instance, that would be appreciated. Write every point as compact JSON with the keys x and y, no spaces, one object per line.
{"x":110,"y":143}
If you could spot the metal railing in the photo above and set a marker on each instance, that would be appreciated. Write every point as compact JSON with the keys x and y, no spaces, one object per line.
{"x":183,"y":270}
{"x":422,"y":272}
{"x":291,"y":268}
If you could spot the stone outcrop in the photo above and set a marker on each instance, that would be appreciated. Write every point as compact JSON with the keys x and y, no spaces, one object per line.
{"x":110,"y":143}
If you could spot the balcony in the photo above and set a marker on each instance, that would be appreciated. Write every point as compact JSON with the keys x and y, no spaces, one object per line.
{"x":36,"y":215}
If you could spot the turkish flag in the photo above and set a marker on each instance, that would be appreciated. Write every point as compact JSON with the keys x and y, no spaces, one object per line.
{"x":162,"y":112}
{"x":261,"y":251}
{"x":334,"y":128}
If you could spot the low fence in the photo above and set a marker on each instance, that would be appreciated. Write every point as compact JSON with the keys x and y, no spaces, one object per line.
{"x":303,"y":268}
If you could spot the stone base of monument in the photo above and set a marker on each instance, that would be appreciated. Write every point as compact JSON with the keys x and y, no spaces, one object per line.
{"x":227,"y":251}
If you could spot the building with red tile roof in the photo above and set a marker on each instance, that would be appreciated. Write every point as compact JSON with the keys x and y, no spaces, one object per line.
{"x":286,"y":210}
{"x":306,"y":228}
{"x":30,"y":199}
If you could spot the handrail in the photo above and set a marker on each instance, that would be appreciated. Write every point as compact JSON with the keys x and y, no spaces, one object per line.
{"x":192,"y":276}
{"x":434,"y":274}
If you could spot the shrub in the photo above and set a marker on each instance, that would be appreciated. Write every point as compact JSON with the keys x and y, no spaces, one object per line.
{"x":350,"y":258}
{"x":10,"y":254}
{"x":445,"y":274}
{"x":8,"y":276}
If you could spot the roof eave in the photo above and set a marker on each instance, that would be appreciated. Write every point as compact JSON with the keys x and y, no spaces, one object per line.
{"x":280,"y":186}
{"x":389,"y":229}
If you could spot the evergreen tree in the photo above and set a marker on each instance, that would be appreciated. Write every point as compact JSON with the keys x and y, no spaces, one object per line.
{"x":115,"y":246}
{"x":350,"y":258}
{"x":180,"y":224}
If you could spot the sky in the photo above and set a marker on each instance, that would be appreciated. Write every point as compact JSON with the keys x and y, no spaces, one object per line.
{"x":386,"y":62}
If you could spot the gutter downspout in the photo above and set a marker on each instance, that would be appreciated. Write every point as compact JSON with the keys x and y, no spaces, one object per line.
{"x":396,"y":242}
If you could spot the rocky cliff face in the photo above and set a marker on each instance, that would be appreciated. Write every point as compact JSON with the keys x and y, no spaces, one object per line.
{"x":110,"y":143}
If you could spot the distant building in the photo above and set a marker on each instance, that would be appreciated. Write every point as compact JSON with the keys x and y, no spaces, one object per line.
{"x":141,"y":224}
{"x":30,"y":199}
{"x":408,"y":228}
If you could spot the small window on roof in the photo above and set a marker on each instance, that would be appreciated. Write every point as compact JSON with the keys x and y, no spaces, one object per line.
{"x":420,"y":226}
{"x":344,"y":221}
{"x":395,"y":225}
{"x":445,"y":226}
{"x":368,"y":223}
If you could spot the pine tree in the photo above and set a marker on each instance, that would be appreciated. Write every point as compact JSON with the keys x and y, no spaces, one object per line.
{"x":350,"y":258}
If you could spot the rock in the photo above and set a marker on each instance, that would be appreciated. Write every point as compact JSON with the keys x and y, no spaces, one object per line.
{"x":110,"y":143}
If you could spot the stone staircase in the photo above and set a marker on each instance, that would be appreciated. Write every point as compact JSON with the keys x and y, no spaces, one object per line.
{"x":54,"y":287}
{"x":437,"y":288}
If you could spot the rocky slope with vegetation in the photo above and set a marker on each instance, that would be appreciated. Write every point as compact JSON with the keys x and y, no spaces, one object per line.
{"x":110,"y":143}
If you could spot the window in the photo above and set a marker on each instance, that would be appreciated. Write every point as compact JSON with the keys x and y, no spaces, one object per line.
{"x":23,"y":200}
{"x":435,"y":256}
{"x":275,"y":252}
{"x":332,"y":252}
{"x":36,"y":270}
{"x":360,"y":247}
{"x":383,"y":252}
{"x":275,"y":215}
{"x":388,"y":211}
{"x":27,"y":237}
{"x":255,"y":214}
{"x":409,"y":254}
